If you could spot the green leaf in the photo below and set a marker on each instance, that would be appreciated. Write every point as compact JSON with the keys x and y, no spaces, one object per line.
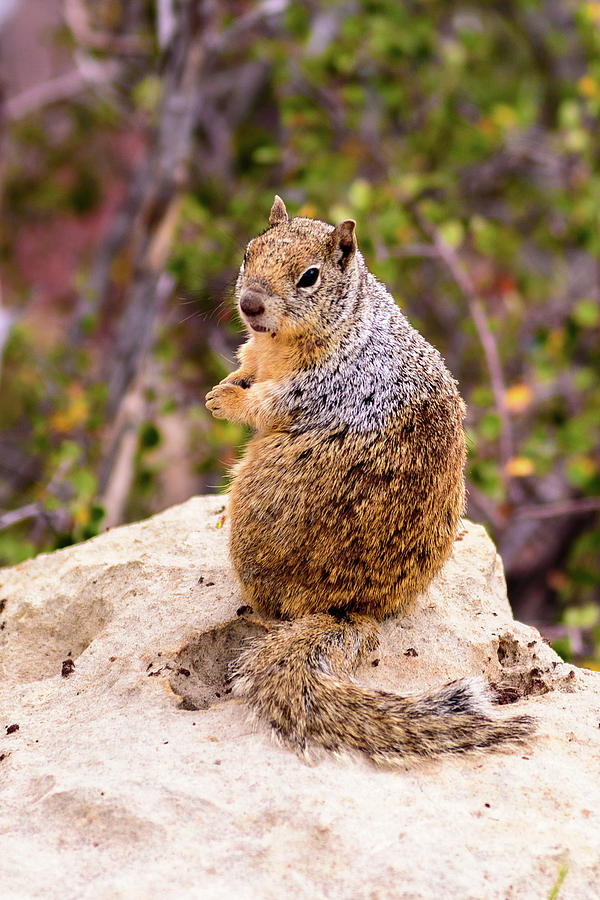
{"x":452,"y":232}
{"x":490,"y":426}
{"x":84,"y":482}
{"x":586,"y":313}
{"x":582,"y":616}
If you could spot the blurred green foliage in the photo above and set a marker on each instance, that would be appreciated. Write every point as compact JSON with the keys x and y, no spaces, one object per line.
{"x":481,"y":121}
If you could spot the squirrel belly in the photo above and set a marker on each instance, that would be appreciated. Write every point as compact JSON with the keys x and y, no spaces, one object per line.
{"x":345,"y":520}
{"x":348,"y":498}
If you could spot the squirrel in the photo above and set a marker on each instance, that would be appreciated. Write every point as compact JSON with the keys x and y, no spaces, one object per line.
{"x":347,"y":500}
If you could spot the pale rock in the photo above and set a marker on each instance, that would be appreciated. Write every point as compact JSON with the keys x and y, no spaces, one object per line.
{"x":138,"y":776}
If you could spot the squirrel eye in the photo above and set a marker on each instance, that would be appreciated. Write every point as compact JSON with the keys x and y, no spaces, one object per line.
{"x":308,"y":278}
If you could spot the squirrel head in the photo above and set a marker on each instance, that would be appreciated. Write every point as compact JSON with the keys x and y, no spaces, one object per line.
{"x":297,"y":277}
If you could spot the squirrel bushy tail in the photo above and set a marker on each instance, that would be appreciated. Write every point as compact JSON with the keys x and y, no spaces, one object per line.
{"x":298,"y":679}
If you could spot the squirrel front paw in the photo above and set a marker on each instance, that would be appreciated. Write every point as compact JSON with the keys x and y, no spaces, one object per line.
{"x":226,"y":401}
{"x":243,"y":381}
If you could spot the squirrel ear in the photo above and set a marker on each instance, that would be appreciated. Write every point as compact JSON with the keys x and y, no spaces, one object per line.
{"x":278,"y":212}
{"x":343,"y":241}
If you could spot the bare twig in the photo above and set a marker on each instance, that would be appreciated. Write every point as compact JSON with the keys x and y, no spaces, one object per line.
{"x":123,"y":447}
{"x":36,"y":510}
{"x":560,"y":508}
{"x":194,"y":76}
{"x":166,"y":23}
{"x":56,"y":483}
{"x":574,"y":635}
{"x":426,"y":250}
{"x":7,"y":320}
{"x":153,"y":211}
{"x":29,"y":511}
{"x":76,"y":17}
{"x":53,"y":91}
{"x":257,"y":15}
{"x":441,"y":249}
{"x":486,"y":506}
{"x":152,"y":208}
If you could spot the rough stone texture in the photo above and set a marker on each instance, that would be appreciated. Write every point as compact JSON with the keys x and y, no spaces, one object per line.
{"x":130,"y":777}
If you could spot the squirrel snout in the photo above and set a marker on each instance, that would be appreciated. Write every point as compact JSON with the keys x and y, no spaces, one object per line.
{"x":252,"y":304}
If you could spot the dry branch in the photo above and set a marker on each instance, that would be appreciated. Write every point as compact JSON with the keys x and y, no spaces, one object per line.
{"x":29,"y":511}
{"x":560,"y":508}
{"x":77,"y":18}
{"x":56,"y":90}
{"x":441,"y":249}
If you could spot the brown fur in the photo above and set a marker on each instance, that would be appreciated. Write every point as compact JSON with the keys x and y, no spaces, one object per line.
{"x":305,"y":667}
{"x":338,"y":520}
{"x":349,"y":495}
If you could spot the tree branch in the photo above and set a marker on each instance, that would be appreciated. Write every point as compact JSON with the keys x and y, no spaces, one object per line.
{"x":560,"y":508}
{"x":29,"y":511}
{"x":486,"y":506}
{"x":53,"y":91}
{"x":440,"y":249}
{"x":76,"y":17}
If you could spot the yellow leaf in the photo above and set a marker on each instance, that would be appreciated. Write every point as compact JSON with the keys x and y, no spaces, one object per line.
{"x":556,"y":340}
{"x":576,"y":140}
{"x":81,"y":516}
{"x":308,"y":211}
{"x":592,"y":12}
{"x":504,"y":116}
{"x":486,"y":126}
{"x":121,"y":269}
{"x":588,"y":86}
{"x":586,"y":465}
{"x":519,"y":467}
{"x":76,"y":412}
{"x":518,"y":397}
{"x":59,"y":421}
{"x":404,"y":234}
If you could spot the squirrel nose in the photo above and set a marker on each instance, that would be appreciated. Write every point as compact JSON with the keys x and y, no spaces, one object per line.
{"x":252,"y":304}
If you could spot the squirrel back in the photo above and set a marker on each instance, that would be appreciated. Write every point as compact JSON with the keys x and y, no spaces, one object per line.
{"x":349,"y":496}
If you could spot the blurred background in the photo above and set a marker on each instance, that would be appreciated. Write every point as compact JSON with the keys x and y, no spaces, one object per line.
{"x":142,"y":142}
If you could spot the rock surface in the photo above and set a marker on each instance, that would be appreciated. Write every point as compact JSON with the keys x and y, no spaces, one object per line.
{"x":134,"y":774}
